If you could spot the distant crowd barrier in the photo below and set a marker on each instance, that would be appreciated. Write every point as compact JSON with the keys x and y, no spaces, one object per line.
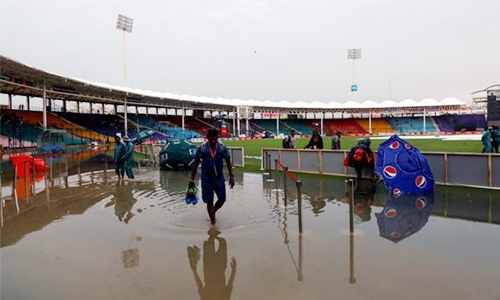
{"x":457,"y":169}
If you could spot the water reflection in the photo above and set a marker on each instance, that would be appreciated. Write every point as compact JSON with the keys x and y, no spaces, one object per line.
{"x":214,"y":268}
{"x":404,"y":215}
{"x":364,"y":198}
{"x":123,"y":200}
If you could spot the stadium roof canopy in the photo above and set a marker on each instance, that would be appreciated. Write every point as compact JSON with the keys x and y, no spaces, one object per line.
{"x":19,"y":79}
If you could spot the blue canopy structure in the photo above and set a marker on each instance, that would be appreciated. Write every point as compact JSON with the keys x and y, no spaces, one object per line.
{"x":403,"y":167}
{"x":404,"y":215}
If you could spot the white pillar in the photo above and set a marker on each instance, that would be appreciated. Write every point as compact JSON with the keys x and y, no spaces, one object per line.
{"x":425,"y":129}
{"x":234,"y":122}
{"x":370,"y":121}
{"x":238,"y":120}
{"x":246,"y":121}
{"x":278,"y":123}
{"x":44,"y":106}
{"x":322,"y":116}
{"x":182,"y":117}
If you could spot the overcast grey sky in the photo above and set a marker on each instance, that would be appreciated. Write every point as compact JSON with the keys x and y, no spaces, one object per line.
{"x":263,"y":49}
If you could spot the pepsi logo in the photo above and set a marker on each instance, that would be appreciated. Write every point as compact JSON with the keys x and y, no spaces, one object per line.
{"x":408,"y":146}
{"x":390,"y":212}
{"x":395,"y":235}
{"x":396,"y":193}
{"x":394,"y":145}
{"x":421,"y":181}
{"x":421,"y":202}
{"x":390,"y":172}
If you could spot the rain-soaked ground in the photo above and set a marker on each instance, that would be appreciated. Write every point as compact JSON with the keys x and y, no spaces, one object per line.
{"x":89,"y":236}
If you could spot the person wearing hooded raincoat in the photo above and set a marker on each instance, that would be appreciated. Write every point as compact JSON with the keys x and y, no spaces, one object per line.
{"x":360,"y":156}
{"x":495,"y":137}
{"x":119,"y":151}
{"x":128,"y":157}
{"x":486,"y":140}
{"x":316,"y":141}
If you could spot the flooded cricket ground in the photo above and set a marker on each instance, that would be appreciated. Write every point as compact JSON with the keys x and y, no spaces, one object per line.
{"x":80,"y":233}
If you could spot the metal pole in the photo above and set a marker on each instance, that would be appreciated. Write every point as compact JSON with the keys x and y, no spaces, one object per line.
{"x":33,"y":187}
{"x":26,"y":179}
{"x":268,"y":161}
{"x":284,"y":184}
{"x":300,"y":276}
{"x":183,"y":124}
{"x":125,"y":83}
{"x":1,"y":202}
{"x":276,"y":170}
{"x":351,"y":207}
{"x":14,"y":189}
{"x":44,"y":109}
{"x":299,"y":197}
{"x":354,"y":78}
{"x":352,"y":279}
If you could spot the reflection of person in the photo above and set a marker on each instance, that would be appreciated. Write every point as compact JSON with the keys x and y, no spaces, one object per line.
{"x":124,"y":202}
{"x":119,"y":151}
{"x":364,"y":196}
{"x":128,"y":157}
{"x":336,"y":141}
{"x":212,"y":154}
{"x":214,"y":269}
{"x":316,"y":141}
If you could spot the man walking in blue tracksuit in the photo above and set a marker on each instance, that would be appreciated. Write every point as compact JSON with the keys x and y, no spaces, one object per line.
{"x":212,"y":155}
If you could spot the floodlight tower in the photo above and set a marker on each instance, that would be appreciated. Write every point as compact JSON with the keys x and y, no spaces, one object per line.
{"x":354,"y":54}
{"x":124,"y":24}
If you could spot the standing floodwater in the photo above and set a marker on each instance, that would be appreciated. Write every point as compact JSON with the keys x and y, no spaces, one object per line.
{"x":90,"y":236}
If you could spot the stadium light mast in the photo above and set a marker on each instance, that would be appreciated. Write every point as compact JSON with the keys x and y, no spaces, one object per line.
{"x":124,"y":24}
{"x":354,"y":54}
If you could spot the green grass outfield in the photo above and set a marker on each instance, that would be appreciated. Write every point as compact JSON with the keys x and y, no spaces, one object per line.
{"x":253,"y":147}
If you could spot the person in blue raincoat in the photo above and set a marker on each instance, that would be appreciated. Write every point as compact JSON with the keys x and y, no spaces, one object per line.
{"x":486,"y":140}
{"x":212,"y":155}
{"x":495,"y":138}
{"x":119,"y":151}
{"x":128,"y":157}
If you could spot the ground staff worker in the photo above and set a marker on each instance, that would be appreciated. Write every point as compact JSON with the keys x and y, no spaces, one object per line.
{"x":119,"y":151}
{"x":128,"y":157}
{"x":212,"y":155}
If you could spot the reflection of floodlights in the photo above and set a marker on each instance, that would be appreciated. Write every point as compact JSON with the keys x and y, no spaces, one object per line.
{"x":124,"y":24}
{"x":354,"y":54}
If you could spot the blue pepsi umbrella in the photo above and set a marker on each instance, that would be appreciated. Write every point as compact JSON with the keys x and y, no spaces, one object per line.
{"x":403,"y":167}
{"x":404,"y":215}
